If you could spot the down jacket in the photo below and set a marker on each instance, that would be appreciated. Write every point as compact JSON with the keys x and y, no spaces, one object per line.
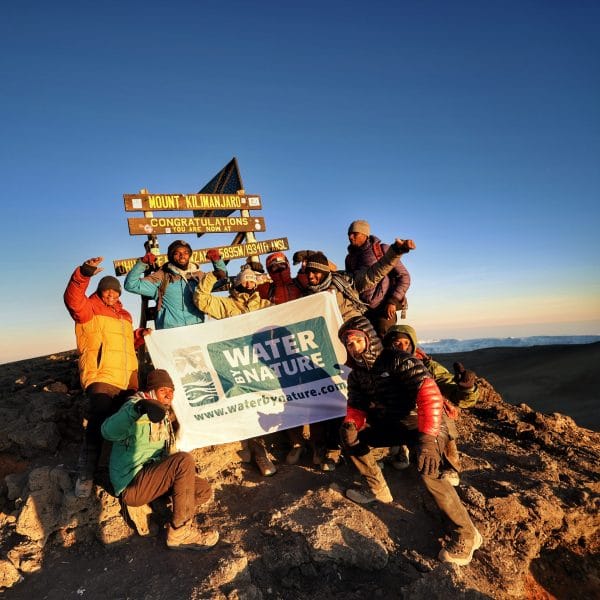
{"x":105,"y":337}
{"x":391,"y":386}
{"x":390,"y":289}
{"x":464,"y":398}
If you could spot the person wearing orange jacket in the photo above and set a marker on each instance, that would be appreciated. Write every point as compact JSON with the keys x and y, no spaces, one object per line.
{"x":108,"y":366}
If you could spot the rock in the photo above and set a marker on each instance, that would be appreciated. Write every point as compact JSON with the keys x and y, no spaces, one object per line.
{"x":15,"y":484}
{"x":9,"y":575}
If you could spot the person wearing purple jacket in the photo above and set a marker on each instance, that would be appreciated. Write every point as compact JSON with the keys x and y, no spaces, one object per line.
{"x":389,"y":295}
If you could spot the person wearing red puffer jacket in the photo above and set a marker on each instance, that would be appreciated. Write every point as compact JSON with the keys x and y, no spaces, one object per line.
{"x":393,"y":400}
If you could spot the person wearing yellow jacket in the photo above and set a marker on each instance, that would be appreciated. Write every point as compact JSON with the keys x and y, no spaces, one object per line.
{"x":108,"y":366}
{"x":243,"y":298}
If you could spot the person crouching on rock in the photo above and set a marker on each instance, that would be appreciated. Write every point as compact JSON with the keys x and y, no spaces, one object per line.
{"x":145,"y":465}
{"x":393,"y":400}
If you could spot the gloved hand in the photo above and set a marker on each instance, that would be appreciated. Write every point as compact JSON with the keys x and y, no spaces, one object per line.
{"x":155,"y":411}
{"x":255,"y":266}
{"x":403,"y":246}
{"x":149,"y":259}
{"x":213,"y":255}
{"x":348,"y":434}
{"x":464,"y":378}
{"x":299,"y":256}
{"x":428,"y":455}
{"x":91,"y":266}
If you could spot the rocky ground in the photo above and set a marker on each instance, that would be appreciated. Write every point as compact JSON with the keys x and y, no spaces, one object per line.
{"x":530,"y":481}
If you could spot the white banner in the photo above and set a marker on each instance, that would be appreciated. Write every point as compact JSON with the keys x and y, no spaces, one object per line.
{"x":257,"y":373}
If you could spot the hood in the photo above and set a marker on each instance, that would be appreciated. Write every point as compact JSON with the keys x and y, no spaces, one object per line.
{"x":363,"y":324}
{"x":406,"y":330}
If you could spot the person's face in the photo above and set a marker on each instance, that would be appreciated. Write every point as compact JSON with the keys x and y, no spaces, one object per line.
{"x":356,"y":344}
{"x":164,"y":395}
{"x":402,"y":342}
{"x":277,"y":267}
{"x":109,"y":297}
{"x":181,"y":257}
{"x":357,"y":239}
{"x":314,"y":277}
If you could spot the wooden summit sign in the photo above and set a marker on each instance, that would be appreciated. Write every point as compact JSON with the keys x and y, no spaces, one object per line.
{"x":153,"y":202}
{"x":124,"y":265}
{"x":159,"y":225}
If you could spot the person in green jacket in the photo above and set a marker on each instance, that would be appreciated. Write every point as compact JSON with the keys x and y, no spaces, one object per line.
{"x":145,"y":465}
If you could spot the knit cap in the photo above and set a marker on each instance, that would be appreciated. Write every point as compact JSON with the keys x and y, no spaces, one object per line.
{"x":109,"y":283}
{"x":245,"y":276}
{"x":159,"y":378}
{"x":317,"y":261}
{"x":359,"y":227}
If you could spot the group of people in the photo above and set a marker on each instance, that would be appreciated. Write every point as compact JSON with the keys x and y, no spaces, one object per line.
{"x":398,"y":397}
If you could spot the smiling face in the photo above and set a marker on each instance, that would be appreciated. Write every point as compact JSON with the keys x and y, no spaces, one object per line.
{"x":356,"y":343}
{"x":109,"y":297}
{"x":181,"y":257}
{"x":164,"y":395}
{"x":314,"y":277}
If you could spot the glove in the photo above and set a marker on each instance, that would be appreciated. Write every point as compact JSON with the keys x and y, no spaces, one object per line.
{"x":462,"y":377}
{"x":299,"y":256}
{"x":428,"y":455}
{"x":155,"y":411}
{"x":88,"y":270}
{"x":149,"y":259}
{"x":349,"y":434}
{"x":255,"y":266}
{"x":403,"y":246}
{"x":213,"y":255}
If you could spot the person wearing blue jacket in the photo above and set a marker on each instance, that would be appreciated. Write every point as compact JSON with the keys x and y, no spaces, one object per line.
{"x":172,"y":286}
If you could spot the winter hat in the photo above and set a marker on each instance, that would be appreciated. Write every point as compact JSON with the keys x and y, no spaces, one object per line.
{"x":359,"y":227}
{"x":177,"y":244}
{"x":276,"y":258}
{"x":109,"y":283}
{"x":159,"y":378}
{"x":317,"y":261}
{"x":245,"y":276}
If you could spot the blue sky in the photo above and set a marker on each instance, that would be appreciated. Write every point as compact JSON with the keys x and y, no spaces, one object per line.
{"x":471,"y":127}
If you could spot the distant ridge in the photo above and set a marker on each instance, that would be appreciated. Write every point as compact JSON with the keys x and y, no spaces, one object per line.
{"x":459,"y":345}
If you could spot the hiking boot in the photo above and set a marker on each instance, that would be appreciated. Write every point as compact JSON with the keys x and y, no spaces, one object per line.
{"x":189,"y":537}
{"x":367,"y":496}
{"x":293,"y":456}
{"x":140,"y":517}
{"x":263,"y":462}
{"x":460,"y":550}
{"x":401,"y":460}
{"x":83,"y":486}
{"x":451,"y":476}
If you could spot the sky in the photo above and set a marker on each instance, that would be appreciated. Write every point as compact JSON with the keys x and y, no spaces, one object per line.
{"x":471,"y":127}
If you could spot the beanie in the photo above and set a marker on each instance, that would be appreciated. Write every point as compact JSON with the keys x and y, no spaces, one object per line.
{"x":159,"y":378}
{"x":245,"y":276}
{"x":177,"y":244}
{"x":109,"y":283}
{"x":317,"y":261}
{"x":359,"y":227}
